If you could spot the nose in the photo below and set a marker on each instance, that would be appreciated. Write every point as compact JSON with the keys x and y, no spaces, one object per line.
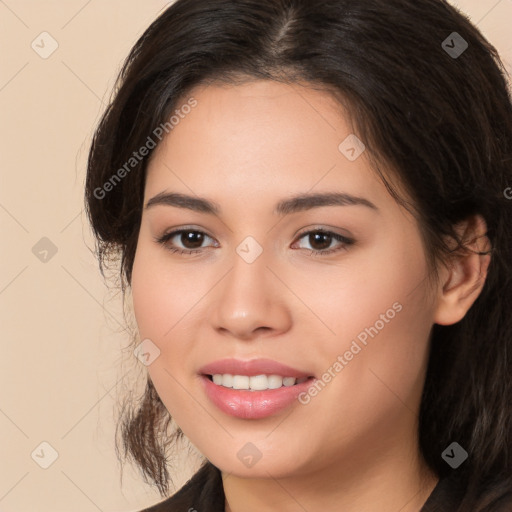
{"x":251,"y":301}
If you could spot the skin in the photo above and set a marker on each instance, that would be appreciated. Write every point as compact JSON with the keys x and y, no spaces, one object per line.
{"x":353,"y":447}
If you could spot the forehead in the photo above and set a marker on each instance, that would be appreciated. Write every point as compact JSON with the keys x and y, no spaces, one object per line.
{"x":259,"y":138}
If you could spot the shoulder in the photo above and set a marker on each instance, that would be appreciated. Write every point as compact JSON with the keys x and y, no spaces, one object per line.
{"x":204,"y":491}
{"x":450,"y":493}
{"x":500,"y":497}
{"x":446,"y":496}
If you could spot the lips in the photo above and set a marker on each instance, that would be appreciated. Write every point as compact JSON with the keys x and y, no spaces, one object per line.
{"x":251,"y":368}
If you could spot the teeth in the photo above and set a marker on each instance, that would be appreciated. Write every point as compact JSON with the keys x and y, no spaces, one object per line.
{"x":274,"y":381}
{"x":256,"y":382}
{"x":240,"y":382}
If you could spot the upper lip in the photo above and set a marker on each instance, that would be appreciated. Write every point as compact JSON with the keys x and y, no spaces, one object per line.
{"x":251,"y":367}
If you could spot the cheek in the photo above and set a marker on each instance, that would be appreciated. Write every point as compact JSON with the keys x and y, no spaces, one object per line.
{"x":159,"y":292}
{"x":351,"y":295}
{"x":152,"y":295}
{"x":382,"y":319}
{"x":167,"y":308}
{"x":142,"y":290}
{"x":161,"y":300}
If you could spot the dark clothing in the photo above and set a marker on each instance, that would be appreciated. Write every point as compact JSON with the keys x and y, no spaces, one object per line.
{"x":204,"y":493}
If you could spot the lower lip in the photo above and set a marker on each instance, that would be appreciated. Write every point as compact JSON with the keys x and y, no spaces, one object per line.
{"x":253,"y":404}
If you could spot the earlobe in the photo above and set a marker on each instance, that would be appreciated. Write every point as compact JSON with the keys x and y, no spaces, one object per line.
{"x":465,"y":276}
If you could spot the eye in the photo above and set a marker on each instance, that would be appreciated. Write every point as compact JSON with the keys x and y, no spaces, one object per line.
{"x":192,"y":240}
{"x":321,"y":239}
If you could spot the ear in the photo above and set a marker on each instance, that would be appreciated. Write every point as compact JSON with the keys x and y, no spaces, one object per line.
{"x":462,"y":280}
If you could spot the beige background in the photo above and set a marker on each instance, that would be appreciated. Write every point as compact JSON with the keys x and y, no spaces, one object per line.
{"x":62,"y":329}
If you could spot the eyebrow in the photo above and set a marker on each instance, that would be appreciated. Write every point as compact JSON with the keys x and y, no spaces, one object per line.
{"x":293,"y":204}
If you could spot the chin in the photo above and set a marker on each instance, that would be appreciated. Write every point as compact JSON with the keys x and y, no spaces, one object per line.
{"x":250,"y":462}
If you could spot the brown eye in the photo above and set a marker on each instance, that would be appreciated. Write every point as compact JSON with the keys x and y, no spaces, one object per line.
{"x":320,"y":241}
{"x":191,"y":241}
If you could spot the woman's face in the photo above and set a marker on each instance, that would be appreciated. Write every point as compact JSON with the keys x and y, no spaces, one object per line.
{"x":355,"y":315}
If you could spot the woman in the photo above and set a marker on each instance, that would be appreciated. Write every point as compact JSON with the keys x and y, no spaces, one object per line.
{"x":309,"y":202}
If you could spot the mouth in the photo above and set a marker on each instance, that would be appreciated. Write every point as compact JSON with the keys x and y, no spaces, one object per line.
{"x":256,"y":396}
{"x":255,"y":388}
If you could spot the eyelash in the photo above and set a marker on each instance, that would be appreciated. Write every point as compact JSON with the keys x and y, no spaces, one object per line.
{"x":312,"y":252}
